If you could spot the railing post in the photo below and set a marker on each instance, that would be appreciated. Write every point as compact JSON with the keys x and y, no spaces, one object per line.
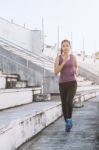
{"x":43,"y":77}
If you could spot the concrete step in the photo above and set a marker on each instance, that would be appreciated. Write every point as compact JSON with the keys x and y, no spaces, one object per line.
{"x":80,"y":78}
{"x":24,"y":122}
{"x":87,"y":88}
{"x":16,"y":97}
{"x":42,"y":97}
{"x":84,"y":83}
{"x":82,"y":97}
{"x":8,"y":81}
{"x":36,"y":90}
{"x":21,"y":84}
{"x":11,"y":81}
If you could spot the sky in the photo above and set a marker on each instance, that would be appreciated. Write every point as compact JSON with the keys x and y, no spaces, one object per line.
{"x":77,"y":20}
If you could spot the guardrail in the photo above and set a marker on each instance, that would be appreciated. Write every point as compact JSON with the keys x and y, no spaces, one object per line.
{"x":25,"y":51}
{"x":45,"y":63}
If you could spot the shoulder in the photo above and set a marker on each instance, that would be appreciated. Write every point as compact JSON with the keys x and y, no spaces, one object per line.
{"x":58,"y":57}
{"x":73,"y":56}
{"x":74,"y":59}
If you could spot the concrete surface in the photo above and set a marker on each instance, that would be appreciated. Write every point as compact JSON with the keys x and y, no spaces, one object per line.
{"x":83,"y":136}
{"x":18,"y":125}
{"x":16,"y":97}
{"x":26,"y":121}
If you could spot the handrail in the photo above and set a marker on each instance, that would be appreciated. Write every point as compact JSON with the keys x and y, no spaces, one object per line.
{"x":18,"y":62}
{"x":26,"y":51}
{"x":33,"y":59}
{"x":16,"y":47}
{"x":13,"y":60}
{"x":38,"y":60}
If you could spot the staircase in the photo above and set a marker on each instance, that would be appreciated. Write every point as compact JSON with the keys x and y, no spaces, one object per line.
{"x":36,"y":69}
{"x":22,"y":117}
{"x":15,"y":92}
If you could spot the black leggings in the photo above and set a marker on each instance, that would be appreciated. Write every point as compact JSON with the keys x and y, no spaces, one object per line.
{"x":67,"y":93}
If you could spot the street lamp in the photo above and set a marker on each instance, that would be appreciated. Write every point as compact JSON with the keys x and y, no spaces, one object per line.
{"x":94,"y":56}
{"x":42,"y":34}
{"x":83,"y":50}
{"x":71,"y":43}
{"x":58,"y":40}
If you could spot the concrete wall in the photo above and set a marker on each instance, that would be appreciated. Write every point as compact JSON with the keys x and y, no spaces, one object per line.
{"x":15,"y":97}
{"x":51,"y":84}
{"x":13,"y":64}
{"x":33,"y":73}
{"x":30,"y":71}
{"x":25,"y":38}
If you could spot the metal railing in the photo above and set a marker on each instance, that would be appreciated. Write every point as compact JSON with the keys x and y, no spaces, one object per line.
{"x":26,"y":51}
{"x":33,"y":57}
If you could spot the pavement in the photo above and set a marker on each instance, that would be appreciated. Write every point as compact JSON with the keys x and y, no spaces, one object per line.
{"x":84,"y":134}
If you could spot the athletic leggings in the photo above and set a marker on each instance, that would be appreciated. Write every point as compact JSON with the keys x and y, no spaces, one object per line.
{"x":67,"y":93}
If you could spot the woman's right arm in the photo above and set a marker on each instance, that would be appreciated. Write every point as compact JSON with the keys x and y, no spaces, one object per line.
{"x":57,"y":67}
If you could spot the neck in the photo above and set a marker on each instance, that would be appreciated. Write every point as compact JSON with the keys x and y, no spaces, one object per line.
{"x":66,"y":54}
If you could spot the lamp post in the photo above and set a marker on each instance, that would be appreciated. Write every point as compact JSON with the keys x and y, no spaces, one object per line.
{"x":94,"y":56}
{"x":83,"y":50}
{"x":43,"y":76}
{"x":71,"y":43}
{"x":42,"y":34}
{"x":58,"y":40}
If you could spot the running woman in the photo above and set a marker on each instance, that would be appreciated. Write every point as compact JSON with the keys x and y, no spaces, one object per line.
{"x":66,"y":65}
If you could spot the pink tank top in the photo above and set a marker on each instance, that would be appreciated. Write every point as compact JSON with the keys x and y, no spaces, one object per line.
{"x":68,"y":71}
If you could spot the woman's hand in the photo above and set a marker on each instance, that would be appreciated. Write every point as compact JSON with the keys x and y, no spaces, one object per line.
{"x":65,"y":59}
{"x":57,"y":67}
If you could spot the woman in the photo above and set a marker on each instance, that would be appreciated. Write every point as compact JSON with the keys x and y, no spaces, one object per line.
{"x":66,"y":65}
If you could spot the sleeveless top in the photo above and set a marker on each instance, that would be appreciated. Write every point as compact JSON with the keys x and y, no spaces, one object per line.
{"x":68,"y":71}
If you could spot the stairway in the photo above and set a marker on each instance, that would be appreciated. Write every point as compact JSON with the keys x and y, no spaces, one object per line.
{"x":31,"y":67}
{"x":21,"y":117}
{"x":15,"y":92}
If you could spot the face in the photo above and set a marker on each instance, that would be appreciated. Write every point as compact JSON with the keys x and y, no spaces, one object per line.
{"x":65,"y":47}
